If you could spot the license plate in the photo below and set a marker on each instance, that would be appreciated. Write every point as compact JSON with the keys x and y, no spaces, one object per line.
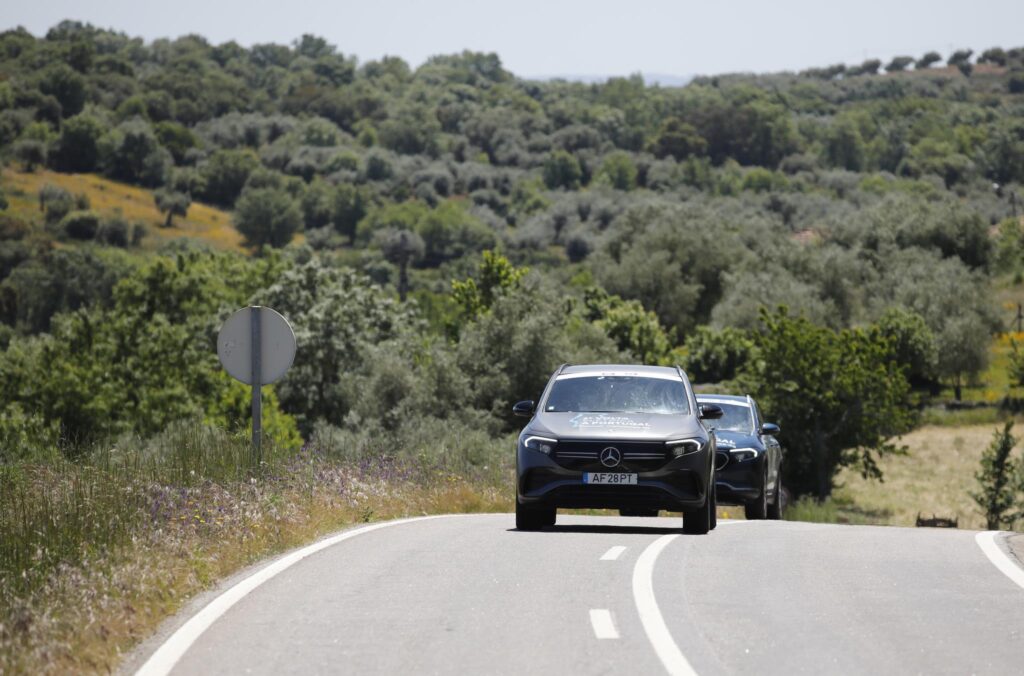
{"x":609,"y":478}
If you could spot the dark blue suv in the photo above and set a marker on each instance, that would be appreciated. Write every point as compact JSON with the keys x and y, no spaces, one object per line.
{"x":748,"y":460}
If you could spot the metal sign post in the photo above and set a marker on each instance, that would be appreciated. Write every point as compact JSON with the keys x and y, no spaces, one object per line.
{"x":257,"y":382}
{"x":256,"y":345}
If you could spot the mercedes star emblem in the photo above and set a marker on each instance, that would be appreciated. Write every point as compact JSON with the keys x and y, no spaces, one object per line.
{"x":610,"y":457}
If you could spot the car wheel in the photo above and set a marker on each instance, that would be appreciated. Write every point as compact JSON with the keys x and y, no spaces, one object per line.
{"x":758,"y":509}
{"x":533,"y":519}
{"x":698,"y":521}
{"x":775,"y":508}
{"x":714,"y":508}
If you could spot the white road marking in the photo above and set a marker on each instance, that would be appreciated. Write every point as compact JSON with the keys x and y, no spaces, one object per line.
{"x":601,"y":619}
{"x":650,"y":616}
{"x":167,"y":655}
{"x":613,"y":553}
{"x":987,"y":541}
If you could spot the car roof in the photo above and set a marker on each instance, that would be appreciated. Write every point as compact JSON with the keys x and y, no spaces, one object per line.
{"x":739,"y":399}
{"x":619,"y":369}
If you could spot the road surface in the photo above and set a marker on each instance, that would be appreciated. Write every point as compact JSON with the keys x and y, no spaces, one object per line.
{"x":609,"y":595}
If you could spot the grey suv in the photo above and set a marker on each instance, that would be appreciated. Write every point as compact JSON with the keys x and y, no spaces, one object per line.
{"x":616,"y":437}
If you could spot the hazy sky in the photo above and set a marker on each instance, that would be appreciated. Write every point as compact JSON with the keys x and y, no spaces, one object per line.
{"x":579,"y":37}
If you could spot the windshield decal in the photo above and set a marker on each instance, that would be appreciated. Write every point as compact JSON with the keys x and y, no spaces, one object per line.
{"x":602,"y":420}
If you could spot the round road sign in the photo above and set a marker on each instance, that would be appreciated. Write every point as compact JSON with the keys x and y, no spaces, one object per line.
{"x":277,"y":344}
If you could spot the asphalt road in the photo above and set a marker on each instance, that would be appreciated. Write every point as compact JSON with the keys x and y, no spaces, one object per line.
{"x":595,"y":595}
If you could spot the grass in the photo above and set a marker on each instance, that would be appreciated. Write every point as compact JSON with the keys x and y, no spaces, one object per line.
{"x":94,"y":555}
{"x":934,"y":478}
{"x":135,"y":204}
{"x":938,"y":416}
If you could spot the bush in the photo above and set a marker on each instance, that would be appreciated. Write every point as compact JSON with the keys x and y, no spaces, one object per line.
{"x":30,"y":152}
{"x":267,"y":217}
{"x":717,"y":356}
{"x":619,"y":171}
{"x":1000,"y":481}
{"x":82,"y":225}
{"x":115,"y":232}
{"x":55,"y":202}
{"x":562,"y":170}
{"x":27,"y":436}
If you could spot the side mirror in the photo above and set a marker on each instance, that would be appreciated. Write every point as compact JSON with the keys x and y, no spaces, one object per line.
{"x":711,"y":412}
{"x":770,"y":428}
{"x":523,"y":409}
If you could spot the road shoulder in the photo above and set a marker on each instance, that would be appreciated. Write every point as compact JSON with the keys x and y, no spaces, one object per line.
{"x":1015,"y":543}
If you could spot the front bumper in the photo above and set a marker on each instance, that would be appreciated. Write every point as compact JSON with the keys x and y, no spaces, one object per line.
{"x":739,"y":482}
{"x":678,"y":485}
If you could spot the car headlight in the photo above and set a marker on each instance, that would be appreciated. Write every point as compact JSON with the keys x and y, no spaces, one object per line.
{"x":681,"y":447}
{"x":741,"y":454}
{"x":542,"y":444}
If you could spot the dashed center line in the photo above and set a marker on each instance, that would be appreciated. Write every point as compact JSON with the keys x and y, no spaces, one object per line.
{"x":604,"y":627}
{"x":613,"y":553}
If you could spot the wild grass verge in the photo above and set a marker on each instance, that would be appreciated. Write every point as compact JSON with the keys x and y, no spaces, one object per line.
{"x":983,"y":415}
{"x":95,"y":554}
{"x":830,"y":510}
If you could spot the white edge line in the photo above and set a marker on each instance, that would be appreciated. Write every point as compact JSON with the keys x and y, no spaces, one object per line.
{"x":650,"y":616}
{"x":167,"y":655}
{"x":987,"y":541}
{"x":613,"y":553}
{"x":601,"y":620}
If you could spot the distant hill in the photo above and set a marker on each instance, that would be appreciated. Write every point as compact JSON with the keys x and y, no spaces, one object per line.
{"x":661,"y":79}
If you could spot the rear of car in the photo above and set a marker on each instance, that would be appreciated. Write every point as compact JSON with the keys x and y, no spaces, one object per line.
{"x":615,"y":437}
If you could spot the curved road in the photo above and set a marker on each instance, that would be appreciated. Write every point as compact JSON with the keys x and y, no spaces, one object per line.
{"x":594,"y":595}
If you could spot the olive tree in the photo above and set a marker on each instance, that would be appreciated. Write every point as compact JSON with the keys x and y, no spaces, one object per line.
{"x":172,"y":203}
{"x":267,"y":217}
{"x":839,"y":397}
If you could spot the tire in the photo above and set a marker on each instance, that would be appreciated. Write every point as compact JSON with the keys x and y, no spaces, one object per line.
{"x":775,"y":507}
{"x":758,"y":509}
{"x":533,"y":519}
{"x":714,"y":508}
{"x":638,"y":512}
{"x":698,"y":521}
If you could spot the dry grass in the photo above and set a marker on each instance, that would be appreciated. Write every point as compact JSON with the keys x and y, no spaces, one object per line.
{"x":935,"y":477}
{"x":108,"y":197}
{"x":86,"y":616}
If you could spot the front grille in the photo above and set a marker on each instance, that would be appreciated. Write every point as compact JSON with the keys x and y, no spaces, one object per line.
{"x":640,"y":456}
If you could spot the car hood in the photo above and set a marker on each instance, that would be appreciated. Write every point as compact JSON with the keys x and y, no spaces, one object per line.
{"x":638,"y":426}
{"x":727,"y":439}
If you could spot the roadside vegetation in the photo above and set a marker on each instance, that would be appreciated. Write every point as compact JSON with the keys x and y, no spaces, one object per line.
{"x":936,"y":477}
{"x":95,"y":554}
{"x":843,"y":243}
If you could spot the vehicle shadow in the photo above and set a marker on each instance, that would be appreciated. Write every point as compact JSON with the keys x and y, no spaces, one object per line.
{"x":621,"y":530}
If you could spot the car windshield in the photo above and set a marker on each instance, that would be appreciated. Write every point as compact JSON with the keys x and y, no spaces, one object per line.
{"x":617,"y":394}
{"x":735,"y":418}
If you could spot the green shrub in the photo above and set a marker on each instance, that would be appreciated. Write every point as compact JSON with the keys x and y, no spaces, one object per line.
{"x":82,"y":225}
{"x":1000,"y":481}
{"x":717,"y":356}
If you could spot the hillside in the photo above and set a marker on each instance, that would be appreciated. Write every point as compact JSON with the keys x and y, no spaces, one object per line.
{"x":876,"y":202}
{"x":111,"y":198}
